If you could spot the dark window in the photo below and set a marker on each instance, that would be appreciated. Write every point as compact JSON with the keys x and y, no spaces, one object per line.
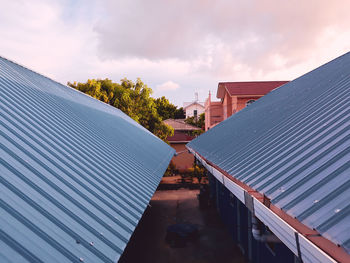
{"x":249,"y":102}
{"x":195,"y":113}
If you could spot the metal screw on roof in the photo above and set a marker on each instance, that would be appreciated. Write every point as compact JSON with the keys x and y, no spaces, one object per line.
{"x":91,"y":243}
{"x":316,"y":201}
{"x":81,"y":259}
{"x":101,"y":233}
{"x":77,"y":241}
{"x":337,"y":210}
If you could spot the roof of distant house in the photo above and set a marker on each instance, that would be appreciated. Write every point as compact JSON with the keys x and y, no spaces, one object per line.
{"x":247,"y":88}
{"x":187,"y":104}
{"x":180,"y":124}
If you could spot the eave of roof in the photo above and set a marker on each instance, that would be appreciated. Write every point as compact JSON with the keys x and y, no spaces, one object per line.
{"x":325,"y":250}
{"x":248,"y":88}
{"x":332,"y":250}
{"x":194,"y":103}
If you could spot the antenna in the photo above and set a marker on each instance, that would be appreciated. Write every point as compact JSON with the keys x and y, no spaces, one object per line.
{"x":196,"y":96}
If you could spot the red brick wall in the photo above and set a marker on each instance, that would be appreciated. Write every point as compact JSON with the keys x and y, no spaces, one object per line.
{"x":241,"y":102}
{"x":183,"y":160}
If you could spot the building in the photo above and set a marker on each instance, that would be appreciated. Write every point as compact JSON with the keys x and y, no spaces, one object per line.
{"x":279,"y":169}
{"x":194,"y":108}
{"x":234,"y":96}
{"x":76,"y":174}
{"x":213,"y":113}
{"x":183,"y":133}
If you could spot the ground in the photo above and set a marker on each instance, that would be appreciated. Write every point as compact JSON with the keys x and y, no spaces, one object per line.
{"x":177,"y":206}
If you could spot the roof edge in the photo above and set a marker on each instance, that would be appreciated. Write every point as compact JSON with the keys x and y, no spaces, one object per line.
{"x":220,"y":94}
{"x":313,"y":242}
{"x":195,"y":102}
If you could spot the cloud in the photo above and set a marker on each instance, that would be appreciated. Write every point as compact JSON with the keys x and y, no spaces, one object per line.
{"x":195,"y":43}
{"x":223,"y":38}
{"x":60,"y":42}
{"x":167,"y":86}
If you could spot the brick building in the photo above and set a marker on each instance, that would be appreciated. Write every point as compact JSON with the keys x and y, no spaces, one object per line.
{"x":182,"y":135}
{"x":234,"y":96}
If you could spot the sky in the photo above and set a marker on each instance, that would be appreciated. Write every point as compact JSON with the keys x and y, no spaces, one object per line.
{"x":176,"y":47}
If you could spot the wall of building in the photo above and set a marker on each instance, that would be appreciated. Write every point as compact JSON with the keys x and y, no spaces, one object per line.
{"x":242,"y":101}
{"x":190,"y":109}
{"x":183,"y":160}
{"x":234,"y":102}
{"x":226,"y":106}
{"x":216,"y":112}
{"x":213,"y":114}
{"x":237,"y":219}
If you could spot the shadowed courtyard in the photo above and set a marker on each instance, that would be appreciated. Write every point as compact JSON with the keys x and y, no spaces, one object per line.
{"x":180,"y":206}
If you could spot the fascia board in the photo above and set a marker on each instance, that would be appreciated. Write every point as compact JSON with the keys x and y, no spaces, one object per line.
{"x":218,"y":175}
{"x":234,"y":189}
{"x":312,"y":253}
{"x":280,"y":228}
{"x":286,"y":233}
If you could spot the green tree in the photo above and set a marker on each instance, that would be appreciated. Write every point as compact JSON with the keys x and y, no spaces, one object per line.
{"x":134,"y":99}
{"x":165,"y":109}
{"x":199,"y":122}
{"x":179,"y":113}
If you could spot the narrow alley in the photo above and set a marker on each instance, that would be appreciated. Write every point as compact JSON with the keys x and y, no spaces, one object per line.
{"x":180,"y":206}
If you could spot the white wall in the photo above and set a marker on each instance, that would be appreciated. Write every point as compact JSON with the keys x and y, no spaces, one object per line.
{"x":190,"y":110}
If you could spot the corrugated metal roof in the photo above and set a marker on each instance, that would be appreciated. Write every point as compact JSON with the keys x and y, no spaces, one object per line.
{"x":293,"y":145}
{"x":76,"y":174}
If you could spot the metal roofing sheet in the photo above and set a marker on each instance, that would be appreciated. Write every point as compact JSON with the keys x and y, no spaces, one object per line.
{"x":75,"y":175}
{"x":293,"y":145}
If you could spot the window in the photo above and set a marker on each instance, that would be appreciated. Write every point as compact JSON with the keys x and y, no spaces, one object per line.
{"x":249,"y":102}
{"x":195,"y":113}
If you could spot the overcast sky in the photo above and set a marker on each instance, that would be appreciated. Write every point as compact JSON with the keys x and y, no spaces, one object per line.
{"x":176,"y":47}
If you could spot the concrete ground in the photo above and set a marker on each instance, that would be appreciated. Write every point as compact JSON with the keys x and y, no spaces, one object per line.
{"x":180,"y":206}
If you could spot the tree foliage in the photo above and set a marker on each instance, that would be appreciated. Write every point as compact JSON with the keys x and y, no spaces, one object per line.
{"x":179,"y":113}
{"x":135,"y":100}
{"x":198,"y":122}
{"x":165,"y":109}
{"x":168,"y":110}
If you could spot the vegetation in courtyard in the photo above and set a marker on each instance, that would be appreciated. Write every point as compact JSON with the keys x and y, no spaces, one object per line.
{"x":194,"y":175}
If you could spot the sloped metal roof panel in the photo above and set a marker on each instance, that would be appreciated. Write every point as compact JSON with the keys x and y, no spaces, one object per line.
{"x":293,"y":145}
{"x":75,"y":175}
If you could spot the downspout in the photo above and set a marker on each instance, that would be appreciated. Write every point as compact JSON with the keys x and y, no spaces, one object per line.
{"x":257,"y":233}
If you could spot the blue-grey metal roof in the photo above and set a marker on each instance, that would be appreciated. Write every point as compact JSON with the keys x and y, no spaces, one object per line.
{"x":293,"y":145}
{"x":75,"y":175}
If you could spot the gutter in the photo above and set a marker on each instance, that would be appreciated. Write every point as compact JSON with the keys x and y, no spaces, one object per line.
{"x":307,"y":244}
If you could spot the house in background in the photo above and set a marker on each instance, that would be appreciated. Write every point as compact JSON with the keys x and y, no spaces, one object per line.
{"x":194,"y":108}
{"x":234,"y":96}
{"x":182,"y":135}
{"x":213,"y":113}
